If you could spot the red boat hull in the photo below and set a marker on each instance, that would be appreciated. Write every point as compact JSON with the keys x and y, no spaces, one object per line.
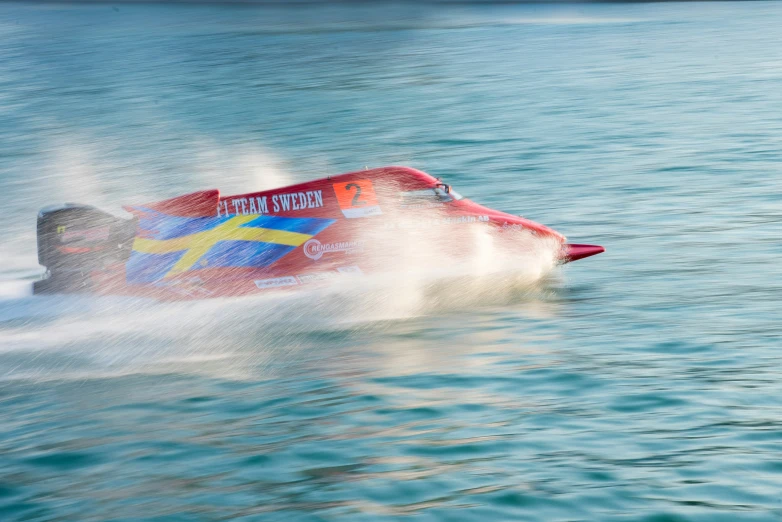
{"x":204,"y":245}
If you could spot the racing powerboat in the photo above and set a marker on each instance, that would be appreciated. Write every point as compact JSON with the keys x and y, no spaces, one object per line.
{"x":206,"y":245}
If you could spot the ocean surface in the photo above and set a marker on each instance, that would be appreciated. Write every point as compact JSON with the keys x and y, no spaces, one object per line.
{"x":642,"y":384}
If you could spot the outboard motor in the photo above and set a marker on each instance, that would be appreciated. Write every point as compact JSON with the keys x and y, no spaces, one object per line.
{"x":77,"y":241}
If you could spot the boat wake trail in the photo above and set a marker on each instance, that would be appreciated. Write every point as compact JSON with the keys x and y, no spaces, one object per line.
{"x":79,"y":337}
{"x":417,"y":275}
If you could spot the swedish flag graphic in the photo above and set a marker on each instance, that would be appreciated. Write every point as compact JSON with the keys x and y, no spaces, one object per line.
{"x":166,"y":246}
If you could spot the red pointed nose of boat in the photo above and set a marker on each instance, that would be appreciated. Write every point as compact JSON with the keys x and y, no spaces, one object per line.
{"x":574,"y":252}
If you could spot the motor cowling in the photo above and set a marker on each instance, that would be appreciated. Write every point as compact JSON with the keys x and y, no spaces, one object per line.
{"x":76,"y":241}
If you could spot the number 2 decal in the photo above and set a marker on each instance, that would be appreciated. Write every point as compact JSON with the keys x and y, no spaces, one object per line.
{"x":357,"y":198}
{"x":355,"y":202}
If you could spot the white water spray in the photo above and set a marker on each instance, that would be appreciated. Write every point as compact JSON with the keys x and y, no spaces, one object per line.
{"x":417,"y":275}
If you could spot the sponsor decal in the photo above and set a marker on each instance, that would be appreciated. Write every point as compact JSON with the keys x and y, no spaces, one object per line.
{"x":289,"y":202}
{"x":243,"y":206}
{"x":518,"y":227}
{"x":91,"y":234}
{"x":314,"y":278}
{"x":328,"y":276}
{"x":314,"y":249}
{"x":357,"y":198}
{"x":422,"y":199}
{"x":465,"y":219}
{"x":354,"y":269}
{"x":276,"y":282}
{"x":435,"y":222}
{"x":297,"y":201}
{"x":514,"y":226}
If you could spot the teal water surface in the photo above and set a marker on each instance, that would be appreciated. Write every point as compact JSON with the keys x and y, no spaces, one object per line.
{"x":642,"y":384}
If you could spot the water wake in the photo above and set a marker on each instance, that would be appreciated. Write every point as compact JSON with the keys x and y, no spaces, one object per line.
{"x":425,"y":271}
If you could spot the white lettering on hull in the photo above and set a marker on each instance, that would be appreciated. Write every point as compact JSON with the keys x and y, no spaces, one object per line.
{"x":260,"y":204}
{"x":314,"y":249}
{"x":276,"y":282}
{"x":297,"y":201}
